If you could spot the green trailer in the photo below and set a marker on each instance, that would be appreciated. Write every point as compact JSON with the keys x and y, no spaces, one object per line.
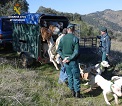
{"x":27,"y":37}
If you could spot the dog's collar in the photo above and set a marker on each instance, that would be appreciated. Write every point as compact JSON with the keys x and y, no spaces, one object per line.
{"x":111,"y":87}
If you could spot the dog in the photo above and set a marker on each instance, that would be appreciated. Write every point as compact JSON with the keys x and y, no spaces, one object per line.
{"x":98,"y":68}
{"x":84,"y":71}
{"x":55,"y":30}
{"x":108,"y":87}
{"x":58,"y":60}
{"x":89,"y":73}
{"x":47,"y":35}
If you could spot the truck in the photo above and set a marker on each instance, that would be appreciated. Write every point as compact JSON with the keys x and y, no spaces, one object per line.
{"x":5,"y":31}
{"x":26,"y":36}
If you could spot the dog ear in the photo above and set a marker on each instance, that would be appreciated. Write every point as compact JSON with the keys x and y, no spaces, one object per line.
{"x":114,"y":78}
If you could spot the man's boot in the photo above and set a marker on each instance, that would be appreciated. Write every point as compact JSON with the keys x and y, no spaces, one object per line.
{"x":77,"y":95}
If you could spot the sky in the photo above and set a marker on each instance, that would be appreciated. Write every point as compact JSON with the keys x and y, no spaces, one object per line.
{"x":75,"y":6}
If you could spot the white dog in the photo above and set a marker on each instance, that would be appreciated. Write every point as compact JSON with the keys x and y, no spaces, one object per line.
{"x":108,"y":87}
{"x":56,"y":46}
{"x":100,"y":67}
{"x":90,"y":72}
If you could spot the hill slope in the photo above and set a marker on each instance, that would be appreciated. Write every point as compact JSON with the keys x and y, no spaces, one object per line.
{"x":109,"y":18}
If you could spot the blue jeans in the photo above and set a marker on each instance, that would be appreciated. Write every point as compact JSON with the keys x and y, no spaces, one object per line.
{"x":63,"y":75}
{"x":73,"y":74}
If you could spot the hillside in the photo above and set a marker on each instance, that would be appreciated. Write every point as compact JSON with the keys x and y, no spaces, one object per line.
{"x":109,"y":18}
{"x":92,"y":22}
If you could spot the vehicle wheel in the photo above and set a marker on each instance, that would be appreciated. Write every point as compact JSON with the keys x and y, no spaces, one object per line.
{"x":23,"y":61}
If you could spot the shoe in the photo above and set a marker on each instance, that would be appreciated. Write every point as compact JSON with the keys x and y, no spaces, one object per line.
{"x":73,"y":93}
{"x":66,"y":83}
{"x":77,"y":94}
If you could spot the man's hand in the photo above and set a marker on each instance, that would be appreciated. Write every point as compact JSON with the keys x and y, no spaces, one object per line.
{"x":65,"y":60}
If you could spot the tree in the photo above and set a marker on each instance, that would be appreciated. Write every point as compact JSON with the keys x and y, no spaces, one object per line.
{"x":77,"y":17}
{"x":46,"y":10}
{"x":70,"y":16}
{"x":7,"y":7}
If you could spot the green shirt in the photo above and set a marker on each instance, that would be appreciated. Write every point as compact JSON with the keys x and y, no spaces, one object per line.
{"x":68,"y":46}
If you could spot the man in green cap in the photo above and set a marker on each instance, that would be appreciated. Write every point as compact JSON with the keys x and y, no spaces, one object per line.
{"x":105,"y":45}
{"x":68,"y":49}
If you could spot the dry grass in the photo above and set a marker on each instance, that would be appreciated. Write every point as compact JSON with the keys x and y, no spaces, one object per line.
{"x":116,"y":51}
{"x":116,"y":46}
{"x":39,"y":86}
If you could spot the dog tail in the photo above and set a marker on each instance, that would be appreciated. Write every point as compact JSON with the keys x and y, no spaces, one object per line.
{"x":81,"y":71}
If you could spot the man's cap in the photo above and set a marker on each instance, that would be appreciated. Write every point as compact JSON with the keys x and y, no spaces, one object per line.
{"x":70,"y":26}
{"x":64,"y":31}
{"x":103,"y":29}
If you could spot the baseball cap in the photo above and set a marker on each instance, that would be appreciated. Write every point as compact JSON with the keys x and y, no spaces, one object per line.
{"x":103,"y":29}
{"x":70,"y":26}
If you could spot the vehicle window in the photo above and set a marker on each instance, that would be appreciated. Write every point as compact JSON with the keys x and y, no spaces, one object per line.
{"x":6,"y":25}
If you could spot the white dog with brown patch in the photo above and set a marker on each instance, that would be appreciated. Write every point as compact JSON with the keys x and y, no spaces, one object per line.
{"x":47,"y":35}
{"x":108,"y":87}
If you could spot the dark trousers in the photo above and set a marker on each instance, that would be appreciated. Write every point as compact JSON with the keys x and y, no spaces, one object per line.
{"x":73,"y":74}
{"x":104,"y":57}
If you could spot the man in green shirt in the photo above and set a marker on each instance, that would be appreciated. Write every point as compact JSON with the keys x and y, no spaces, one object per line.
{"x":68,"y":49}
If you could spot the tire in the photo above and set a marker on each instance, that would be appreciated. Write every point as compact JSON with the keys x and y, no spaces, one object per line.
{"x":8,"y":47}
{"x":23,"y":61}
